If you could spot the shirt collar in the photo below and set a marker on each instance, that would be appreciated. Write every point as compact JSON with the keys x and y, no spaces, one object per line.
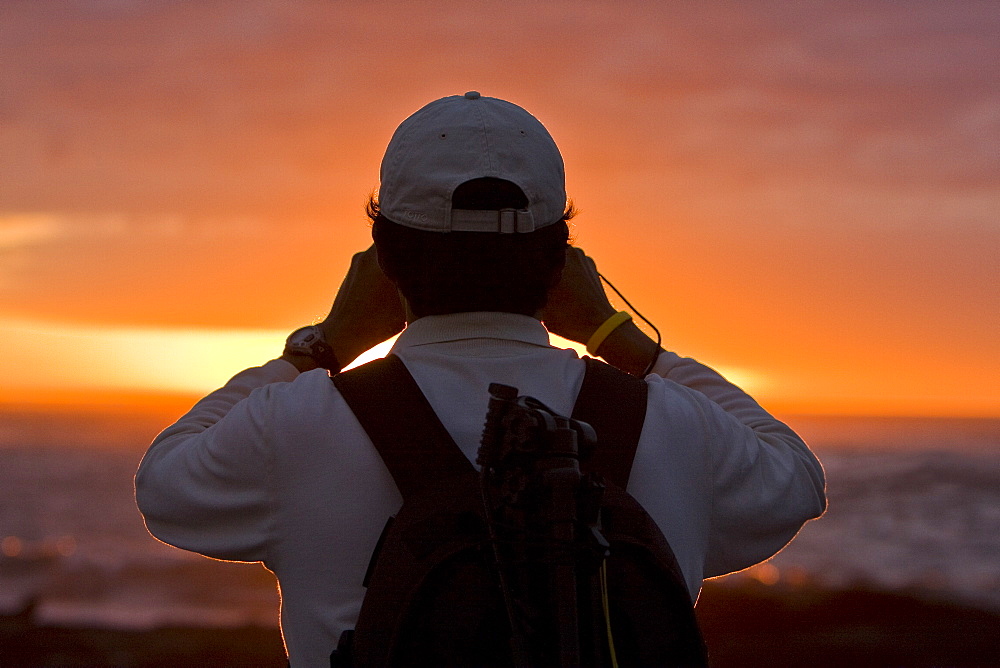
{"x":477,"y":325}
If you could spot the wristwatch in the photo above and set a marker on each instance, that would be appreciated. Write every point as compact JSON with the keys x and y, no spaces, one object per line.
{"x":309,"y":341}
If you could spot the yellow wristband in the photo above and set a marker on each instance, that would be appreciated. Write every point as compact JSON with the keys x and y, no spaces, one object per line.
{"x":608,"y":326}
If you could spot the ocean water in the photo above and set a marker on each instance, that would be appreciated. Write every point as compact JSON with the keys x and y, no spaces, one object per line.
{"x":914,"y":507}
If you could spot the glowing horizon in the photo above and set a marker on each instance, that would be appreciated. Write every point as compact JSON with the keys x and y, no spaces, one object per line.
{"x":156,"y":366}
{"x":152,"y":361}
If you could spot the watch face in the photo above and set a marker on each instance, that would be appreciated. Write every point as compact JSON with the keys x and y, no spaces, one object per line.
{"x":304,"y":340}
{"x":304,"y":336}
{"x":309,"y":341}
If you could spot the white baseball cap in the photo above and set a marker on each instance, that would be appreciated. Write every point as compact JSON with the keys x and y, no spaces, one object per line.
{"x":465,"y":137}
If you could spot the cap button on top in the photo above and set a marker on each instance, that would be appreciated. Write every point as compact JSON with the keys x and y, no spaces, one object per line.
{"x":472,"y":95}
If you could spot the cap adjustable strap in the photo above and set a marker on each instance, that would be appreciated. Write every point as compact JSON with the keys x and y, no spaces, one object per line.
{"x":504,"y":221}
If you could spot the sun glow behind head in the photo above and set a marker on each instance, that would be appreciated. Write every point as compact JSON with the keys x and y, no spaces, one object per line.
{"x":150,"y":360}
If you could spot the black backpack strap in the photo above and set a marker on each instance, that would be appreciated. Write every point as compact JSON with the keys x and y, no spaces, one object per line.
{"x":614,"y":404}
{"x":414,"y":444}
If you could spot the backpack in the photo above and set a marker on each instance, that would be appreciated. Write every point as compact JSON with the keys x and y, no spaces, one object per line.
{"x":435,"y":593}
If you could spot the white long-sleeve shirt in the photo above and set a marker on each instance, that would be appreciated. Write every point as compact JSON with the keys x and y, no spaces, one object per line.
{"x":274,"y":467}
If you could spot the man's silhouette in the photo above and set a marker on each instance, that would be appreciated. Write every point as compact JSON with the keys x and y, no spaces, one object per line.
{"x":470,"y":255}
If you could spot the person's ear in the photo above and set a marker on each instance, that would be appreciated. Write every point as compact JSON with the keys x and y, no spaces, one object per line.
{"x":555,"y":277}
{"x":557,"y":271}
{"x":407,"y":311}
{"x":382,"y":266}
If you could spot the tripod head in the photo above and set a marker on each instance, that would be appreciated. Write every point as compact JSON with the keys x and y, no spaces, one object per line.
{"x":521,"y":431}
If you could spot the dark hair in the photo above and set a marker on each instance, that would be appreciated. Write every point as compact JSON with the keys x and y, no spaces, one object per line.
{"x":456,"y":272}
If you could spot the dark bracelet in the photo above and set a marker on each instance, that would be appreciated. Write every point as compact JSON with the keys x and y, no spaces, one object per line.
{"x":300,"y":361}
{"x":325,"y":358}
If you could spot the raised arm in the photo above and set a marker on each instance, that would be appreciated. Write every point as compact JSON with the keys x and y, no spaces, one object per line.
{"x":205,"y":482}
{"x":764,"y":481}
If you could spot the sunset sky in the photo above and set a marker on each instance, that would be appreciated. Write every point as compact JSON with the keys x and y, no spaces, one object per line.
{"x":803,"y":195}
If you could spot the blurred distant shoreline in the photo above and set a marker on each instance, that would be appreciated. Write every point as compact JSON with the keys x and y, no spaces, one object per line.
{"x":903,"y":570}
{"x":747,"y":625}
{"x":125,"y":424}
